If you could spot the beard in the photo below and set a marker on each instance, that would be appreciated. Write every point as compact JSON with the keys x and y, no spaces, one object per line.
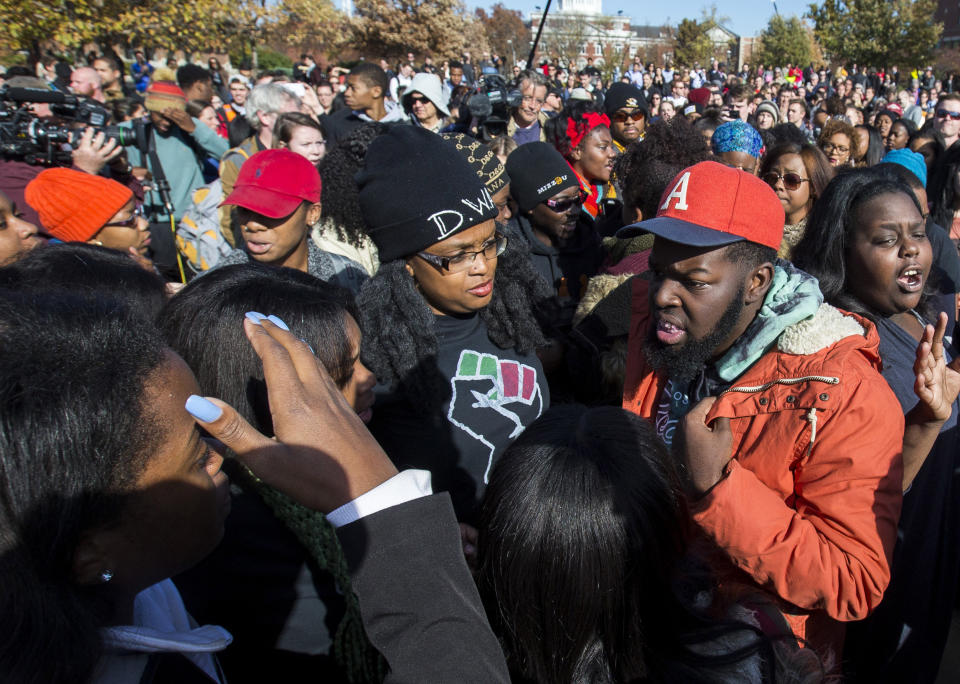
{"x":683,"y":362}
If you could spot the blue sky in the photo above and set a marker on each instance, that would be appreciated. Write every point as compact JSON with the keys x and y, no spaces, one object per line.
{"x":747,"y":17}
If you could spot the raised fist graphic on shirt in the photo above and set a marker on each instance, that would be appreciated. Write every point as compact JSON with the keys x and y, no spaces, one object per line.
{"x":493,"y":397}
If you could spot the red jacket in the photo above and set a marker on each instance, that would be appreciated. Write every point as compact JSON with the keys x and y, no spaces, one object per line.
{"x":809,"y":506}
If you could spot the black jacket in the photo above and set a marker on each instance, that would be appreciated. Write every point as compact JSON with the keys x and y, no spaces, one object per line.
{"x":419,"y":604}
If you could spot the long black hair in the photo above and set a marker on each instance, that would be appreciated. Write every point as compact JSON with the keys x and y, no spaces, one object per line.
{"x":89,"y":270}
{"x":823,"y":250}
{"x":399,"y":338}
{"x":943,"y":187}
{"x":75,"y":434}
{"x":340,"y":196}
{"x":875,"y":147}
{"x":583,"y":559}
{"x":203,"y":323}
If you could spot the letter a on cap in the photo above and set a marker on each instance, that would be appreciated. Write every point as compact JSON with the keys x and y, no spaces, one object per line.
{"x":680,"y":192}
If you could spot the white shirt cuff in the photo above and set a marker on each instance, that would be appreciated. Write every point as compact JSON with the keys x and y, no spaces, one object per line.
{"x":402,"y":487}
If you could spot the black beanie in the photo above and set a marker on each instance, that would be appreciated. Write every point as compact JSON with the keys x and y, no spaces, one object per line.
{"x":537,"y":173}
{"x":623,"y":95}
{"x":416,"y":190}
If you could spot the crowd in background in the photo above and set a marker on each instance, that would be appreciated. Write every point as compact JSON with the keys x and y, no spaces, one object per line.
{"x":502,"y":372}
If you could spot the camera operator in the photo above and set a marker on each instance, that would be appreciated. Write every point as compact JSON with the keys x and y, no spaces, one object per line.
{"x":736,"y":104}
{"x":527,"y":121}
{"x":167,"y":149}
{"x":93,"y":152}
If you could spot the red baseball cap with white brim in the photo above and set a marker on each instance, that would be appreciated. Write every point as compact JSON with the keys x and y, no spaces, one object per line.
{"x":273,"y":183}
{"x":711,"y":205}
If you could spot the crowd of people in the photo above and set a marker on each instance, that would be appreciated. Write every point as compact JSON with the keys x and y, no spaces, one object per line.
{"x":467,"y":371}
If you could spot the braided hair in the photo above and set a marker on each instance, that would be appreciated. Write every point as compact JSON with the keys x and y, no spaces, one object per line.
{"x":399,"y":341}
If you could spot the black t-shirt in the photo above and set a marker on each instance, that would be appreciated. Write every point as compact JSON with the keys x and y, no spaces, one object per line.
{"x":904,"y":638}
{"x":491,"y":396}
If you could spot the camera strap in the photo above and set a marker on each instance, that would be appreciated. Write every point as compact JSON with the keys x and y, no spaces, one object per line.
{"x":148,"y":150}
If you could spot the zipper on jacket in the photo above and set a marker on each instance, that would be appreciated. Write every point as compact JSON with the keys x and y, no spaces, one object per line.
{"x":747,"y":389}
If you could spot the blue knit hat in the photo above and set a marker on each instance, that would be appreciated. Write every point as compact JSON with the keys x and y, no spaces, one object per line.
{"x":736,"y":136}
{"x":910,"y":160}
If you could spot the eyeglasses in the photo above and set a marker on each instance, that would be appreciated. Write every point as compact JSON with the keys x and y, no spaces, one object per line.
{"x":945,"y":113}
{"x":829,"y":147}
{"x":562,"y":205}
{"x":132,"y":221}
{"x":459,"y":263}
{"x":621,"y":117}
{"x":791,"y":181}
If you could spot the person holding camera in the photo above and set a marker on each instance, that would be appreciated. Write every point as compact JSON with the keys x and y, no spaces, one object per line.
{"x":166,"y":149}
{"x":90,"y":151}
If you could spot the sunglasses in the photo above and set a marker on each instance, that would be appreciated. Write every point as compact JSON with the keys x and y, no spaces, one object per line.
{"x":562,"y":205}
{"x":945,"y":114}
{"x":132,"y":221}
{"x":791,"y":181}
{"x":621,"y":117}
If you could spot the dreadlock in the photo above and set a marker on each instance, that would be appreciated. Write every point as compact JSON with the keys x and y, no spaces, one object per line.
{"x":647,"y":166}
{"x":399,"y":341}
{"x":339,"y":195}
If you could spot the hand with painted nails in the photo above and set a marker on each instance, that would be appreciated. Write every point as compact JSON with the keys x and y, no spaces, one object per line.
{"x":323,"y":456}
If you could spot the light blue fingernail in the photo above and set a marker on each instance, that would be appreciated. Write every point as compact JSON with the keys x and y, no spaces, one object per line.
{"x":202,"y":409}
{"x":254,"y":317}
{"x":308,"y":345}
{"x":277,"y":322}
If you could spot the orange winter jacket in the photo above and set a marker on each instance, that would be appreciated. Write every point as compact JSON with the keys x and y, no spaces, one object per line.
{"x":809,"y":505}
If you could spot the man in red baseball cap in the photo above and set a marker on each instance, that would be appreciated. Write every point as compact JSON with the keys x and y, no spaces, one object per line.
{"x":788,"y":435}
{"x":277,"y":195}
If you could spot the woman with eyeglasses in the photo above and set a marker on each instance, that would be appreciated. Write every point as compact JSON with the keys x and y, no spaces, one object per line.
{"x":79,"y":207}
{"x":798,"y":174}
{"x":839,"y":143}
{"x":655,"y":99}
{"x":447,"y":320}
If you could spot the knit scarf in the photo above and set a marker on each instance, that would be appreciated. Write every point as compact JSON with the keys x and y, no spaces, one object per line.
{"x":352,"y":650}
{"x":793,"y":296}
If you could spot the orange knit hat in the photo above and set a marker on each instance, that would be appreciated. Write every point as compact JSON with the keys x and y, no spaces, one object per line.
{"x":73,"y":206}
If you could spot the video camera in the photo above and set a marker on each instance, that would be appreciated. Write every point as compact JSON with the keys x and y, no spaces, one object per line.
{"x":492,"y":104}
{"x":47,"y":142}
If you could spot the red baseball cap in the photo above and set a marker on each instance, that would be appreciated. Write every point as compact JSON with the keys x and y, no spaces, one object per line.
{"x":273,"y":183}
{"x":711,"y":205}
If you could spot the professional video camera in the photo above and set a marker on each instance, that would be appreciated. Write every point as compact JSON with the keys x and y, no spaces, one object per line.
{"x":49,"y":142}
{"x":492,"y":104}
